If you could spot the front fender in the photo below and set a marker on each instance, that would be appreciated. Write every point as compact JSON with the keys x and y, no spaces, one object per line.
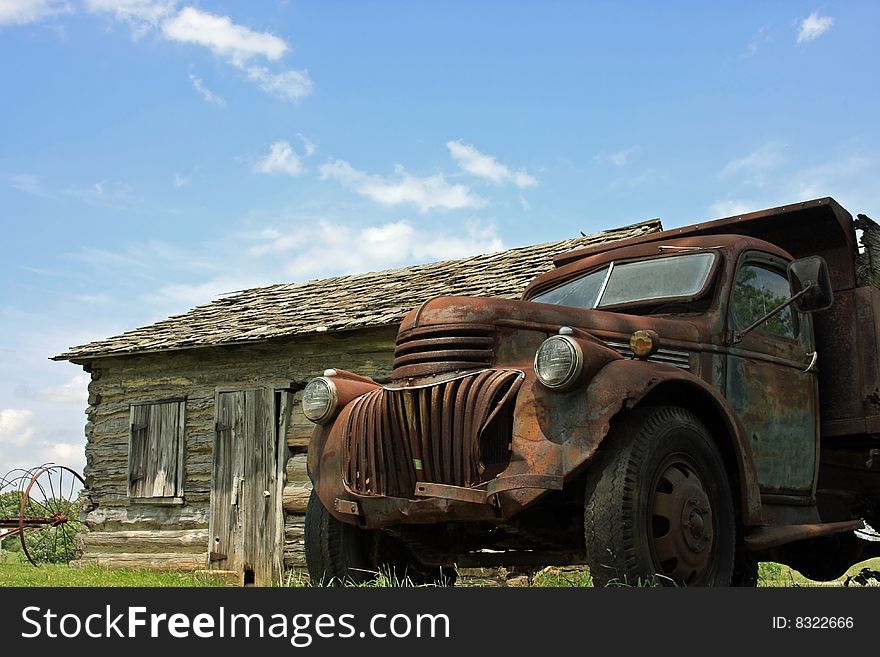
{"x":624,"y":384}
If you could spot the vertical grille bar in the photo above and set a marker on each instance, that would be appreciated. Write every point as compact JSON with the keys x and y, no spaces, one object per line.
{"x":440,"y":433}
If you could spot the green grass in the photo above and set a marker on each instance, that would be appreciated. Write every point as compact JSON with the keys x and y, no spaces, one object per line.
{"x":776,"y":575}
{"x":24,"y":574}
{"x":15,"y":573}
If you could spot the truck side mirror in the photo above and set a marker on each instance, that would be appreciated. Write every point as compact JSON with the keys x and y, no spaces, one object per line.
{"x":810,"y":276}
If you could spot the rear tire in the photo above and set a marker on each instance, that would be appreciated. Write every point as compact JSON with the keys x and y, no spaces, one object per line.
{"x":658,"y":506}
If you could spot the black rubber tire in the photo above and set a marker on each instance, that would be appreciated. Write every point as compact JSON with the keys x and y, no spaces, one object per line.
{"x":336,"y":553}
{"x":645,"y":452}
{"x":745,"y":570}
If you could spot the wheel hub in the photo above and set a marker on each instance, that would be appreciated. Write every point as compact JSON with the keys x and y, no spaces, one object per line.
{"x":696,"y":531}
{"x":682,"y":526}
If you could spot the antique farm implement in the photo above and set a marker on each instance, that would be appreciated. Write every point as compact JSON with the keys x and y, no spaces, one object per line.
{"x":39,"y":506}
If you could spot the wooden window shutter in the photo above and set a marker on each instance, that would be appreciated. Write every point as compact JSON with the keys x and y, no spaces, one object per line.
{"x":156,"y":445}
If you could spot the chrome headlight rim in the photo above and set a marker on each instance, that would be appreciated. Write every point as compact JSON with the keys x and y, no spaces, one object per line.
{"x":333,"y":404}
{"x":575,"y":370}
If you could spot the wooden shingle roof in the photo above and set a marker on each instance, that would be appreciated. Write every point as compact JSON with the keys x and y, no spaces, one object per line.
{"x":344,"y":302}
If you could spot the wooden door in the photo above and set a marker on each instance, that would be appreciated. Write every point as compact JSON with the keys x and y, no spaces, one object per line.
{"x":245,"y":533}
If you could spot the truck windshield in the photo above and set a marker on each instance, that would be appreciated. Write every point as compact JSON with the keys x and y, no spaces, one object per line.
{"x":671,"y":277}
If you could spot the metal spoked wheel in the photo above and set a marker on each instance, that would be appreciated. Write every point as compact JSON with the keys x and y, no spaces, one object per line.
{"x":48,"y":518}
{"x":658,"y":506}
{"x":681,"y":522}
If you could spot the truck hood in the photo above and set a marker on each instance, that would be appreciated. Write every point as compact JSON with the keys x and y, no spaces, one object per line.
{"x":528,"y":315}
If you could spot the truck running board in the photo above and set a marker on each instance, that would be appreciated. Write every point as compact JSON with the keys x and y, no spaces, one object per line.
{"x":765,"y":538}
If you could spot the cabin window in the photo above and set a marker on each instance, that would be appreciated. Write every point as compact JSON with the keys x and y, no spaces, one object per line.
{"x":757,"y":292}
{"x":155,"y":455}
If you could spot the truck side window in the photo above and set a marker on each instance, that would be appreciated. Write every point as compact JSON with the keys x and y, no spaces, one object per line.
{"x":758,"y":291}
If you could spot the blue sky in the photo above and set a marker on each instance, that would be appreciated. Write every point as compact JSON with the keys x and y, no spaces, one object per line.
{"x":156,"y":154}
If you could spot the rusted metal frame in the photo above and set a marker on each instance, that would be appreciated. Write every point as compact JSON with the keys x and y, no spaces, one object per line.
{"x":426,"y":414}
{"x":443,"y":329}
{"x":372,"y":436}
{"x":348,"y":446}
{"x":443,"y":381}
{"x":346,"y":506}
{"x":445,"y":355}
{"x":484,"y":493}
{"x":405,"y":348}
{"x":401,"y":436}
{"x":417,"y":370}
{"x":485,"y":412}
{"x":470,"y":416}
{"x":389,"y":449}
{"x":411,"y":432}
{"x":765,"y":538}
{"x":462,"y":414}
{"x":515,"y":383}
{"x":436,"y":432}
{"x":449,"y":395}
{"x":381,"y":473}
{"x":743,"y":225}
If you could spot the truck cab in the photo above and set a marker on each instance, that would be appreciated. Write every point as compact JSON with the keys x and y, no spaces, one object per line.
{"x":653,"y":408}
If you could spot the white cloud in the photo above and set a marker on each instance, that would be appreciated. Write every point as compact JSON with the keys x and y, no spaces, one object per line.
{"x":187,"y":295}
{"x":208,"y":95}
{"x":280,"y":159}
{"x":76,"y":390}
{"x":730,"y":208}
{"x":106,"y":194}
{"x":141,"y":15}
{"x":180,"y":181}
{"x":15,"y":426}
{"x":65,"y":453}
{"x":223,"y":37}
{"x":303,"y":249}
{"x":756,"y":165}
{"x":760,"y":38}
{"x":813,"y":26}
{"x":472,"y":161}
{"x":237,"y":44}
{"x":288,"y":85}
{"x":622,"y":157}
{"x":308,"y":145}
{"x":27,"y":183}
{"x":20,"y":12}
{"x":830,"y":177}
{"x":428,"y":193}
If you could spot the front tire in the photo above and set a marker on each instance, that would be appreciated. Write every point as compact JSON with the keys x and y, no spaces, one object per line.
{"x":658,"y":506}
{"x":336,"y":553}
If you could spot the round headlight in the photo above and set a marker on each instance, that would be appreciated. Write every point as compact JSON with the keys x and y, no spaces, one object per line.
{"x":559,"y":361}
{"x":319,"y":400}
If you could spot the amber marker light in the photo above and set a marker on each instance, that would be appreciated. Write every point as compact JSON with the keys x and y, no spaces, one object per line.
{"x":644,"y":343}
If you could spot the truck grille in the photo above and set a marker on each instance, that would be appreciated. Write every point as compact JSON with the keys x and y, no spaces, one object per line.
{"x":680,"y":359}
{"x":439,"y":349}
{"x":455,"y":432}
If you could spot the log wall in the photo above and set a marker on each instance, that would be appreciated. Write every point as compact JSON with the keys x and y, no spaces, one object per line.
{"x":124,"y":532}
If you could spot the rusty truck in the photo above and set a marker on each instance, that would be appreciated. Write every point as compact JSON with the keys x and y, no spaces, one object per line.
{"x":675,"y":407}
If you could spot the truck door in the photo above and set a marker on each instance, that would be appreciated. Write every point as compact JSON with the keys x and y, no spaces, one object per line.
{"x":766,"y":381}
